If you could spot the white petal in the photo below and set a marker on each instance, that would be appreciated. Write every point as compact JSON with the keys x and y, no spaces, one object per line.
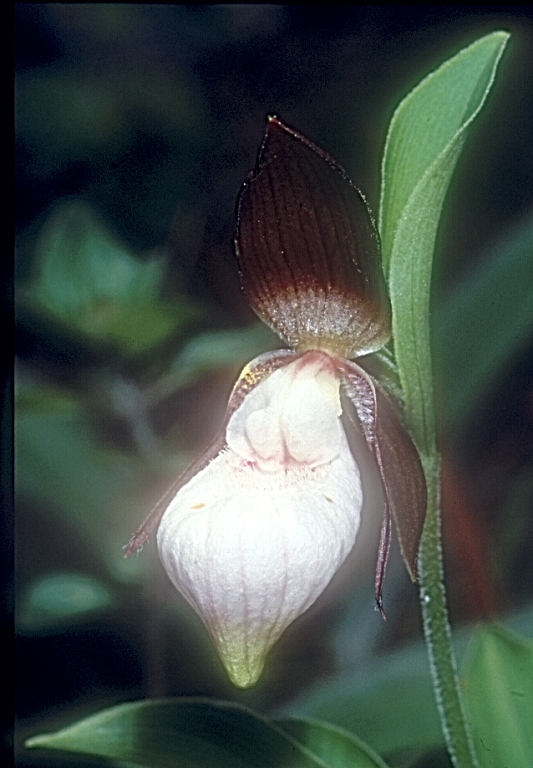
{"x":252,"y":548}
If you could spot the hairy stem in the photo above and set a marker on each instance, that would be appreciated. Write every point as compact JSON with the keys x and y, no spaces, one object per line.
{"x":437,"y":628}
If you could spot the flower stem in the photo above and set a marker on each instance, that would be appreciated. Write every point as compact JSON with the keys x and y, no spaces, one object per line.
{"x":437,"y":628}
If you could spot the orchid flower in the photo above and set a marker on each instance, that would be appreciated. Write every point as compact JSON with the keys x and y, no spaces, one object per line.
{"x":254,"y":530}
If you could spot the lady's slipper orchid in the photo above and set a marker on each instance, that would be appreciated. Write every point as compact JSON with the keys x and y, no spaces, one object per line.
{"x":256,"y":527}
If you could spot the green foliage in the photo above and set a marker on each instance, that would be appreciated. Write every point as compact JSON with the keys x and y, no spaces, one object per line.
{"x":424,"y":141}
{"x":93,"y":288}
{"x":390,"y":702}
{"x":61,"y":597}
{"x":390,"y":705}
{"x":426,"y":133}
{"x":484,"y":325}
{"x":201,"y":733}
{"x":94,"y":491}
{"x":219,"y":349}
{"x":499,"y":697}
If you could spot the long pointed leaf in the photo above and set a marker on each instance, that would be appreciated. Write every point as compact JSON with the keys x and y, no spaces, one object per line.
{"x":428,"y":120}
{"x":425,"y":139}
{"x":199,"y":733}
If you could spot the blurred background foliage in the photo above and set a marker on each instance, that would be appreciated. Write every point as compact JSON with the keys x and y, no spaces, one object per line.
{"x":135,"y":127}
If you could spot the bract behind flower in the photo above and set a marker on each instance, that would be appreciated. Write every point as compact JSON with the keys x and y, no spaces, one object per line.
{"x":255,"y":537}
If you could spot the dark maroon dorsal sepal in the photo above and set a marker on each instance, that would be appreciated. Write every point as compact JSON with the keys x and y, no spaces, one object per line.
{"x":308,"y":250}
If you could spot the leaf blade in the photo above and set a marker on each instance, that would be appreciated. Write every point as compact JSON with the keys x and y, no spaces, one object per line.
{"x":335,"y":746}
{"x":418,"y":163}
{"x":203,"y":734}
{"x":441,"y":101}
{"x":499,"y":697}
{"x":411,"y":204}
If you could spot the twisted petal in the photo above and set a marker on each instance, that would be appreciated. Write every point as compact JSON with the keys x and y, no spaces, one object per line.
{"x":399,"y":465}
{"x":255,"y":537}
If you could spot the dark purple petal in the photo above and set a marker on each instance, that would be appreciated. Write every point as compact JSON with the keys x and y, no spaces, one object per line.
{"x":399,"y":465}
{"x":308,"y":250}
{"x":249,"y":378}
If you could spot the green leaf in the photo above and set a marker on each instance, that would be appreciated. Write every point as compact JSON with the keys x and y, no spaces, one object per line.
{"x":389,"y":703}
{"x":217,"y":349}
{"x":387,"y":700}
{"x":61,"y":467}
{"x":424,"y":141}
{"x":87,"y":282}
{"x":198,"y":733}
{"x":499,"y":698}
{"x":333,"y":745}
{"x":58,"y":598}
{"x":485,"y":323}
{"x":431,"y":119}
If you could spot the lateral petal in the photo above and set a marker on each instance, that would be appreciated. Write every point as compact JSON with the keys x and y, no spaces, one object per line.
{"x":399,"y":465}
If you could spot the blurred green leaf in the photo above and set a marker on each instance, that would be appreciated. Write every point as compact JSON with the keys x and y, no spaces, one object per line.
{"x":60,"y":465}
{"x":390,"y":704}
{"x":486,"y":322}
{"x":423,"y":144}
{"x":335,"y":746}
{"x":59,"y":598}
{"x":388,"y":701}
{"x":197,"y":733}
{"x":218,"y":349}
{"x":499,"y":698}
{"x":89,"y":283}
